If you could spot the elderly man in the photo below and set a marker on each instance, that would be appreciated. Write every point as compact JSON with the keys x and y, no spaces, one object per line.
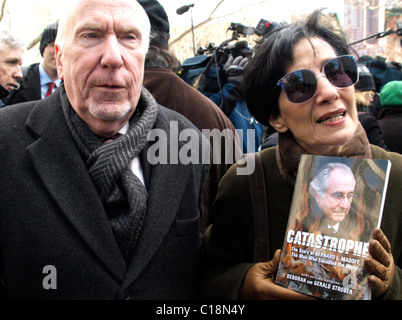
{"x":84,"y":213}
{"x":333,"y":191}
{"x":10,"y":62}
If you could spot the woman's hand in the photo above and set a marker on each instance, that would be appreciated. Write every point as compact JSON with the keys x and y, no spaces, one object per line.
{"x":380,"y":265}
{"x":259,"y":283}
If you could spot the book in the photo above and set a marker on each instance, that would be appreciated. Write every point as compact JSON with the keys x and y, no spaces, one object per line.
{"x":336,"y":204}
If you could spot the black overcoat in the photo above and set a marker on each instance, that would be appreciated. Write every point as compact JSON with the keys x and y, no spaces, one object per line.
{"x":51,"y":215}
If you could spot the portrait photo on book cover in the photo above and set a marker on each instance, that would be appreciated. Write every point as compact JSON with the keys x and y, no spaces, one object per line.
{"x":337,"y":202}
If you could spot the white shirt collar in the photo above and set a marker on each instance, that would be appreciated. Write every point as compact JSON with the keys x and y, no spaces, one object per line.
{"x":335,"y":227}
{"x":135,"y":164}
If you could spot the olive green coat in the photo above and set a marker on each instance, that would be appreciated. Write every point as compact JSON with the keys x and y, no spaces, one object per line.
{"x":229,"y":241}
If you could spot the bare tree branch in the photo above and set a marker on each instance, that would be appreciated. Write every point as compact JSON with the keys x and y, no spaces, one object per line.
{"x":34,"y":41}
{"x":216,"y":8}
{"x":3,"y":6}
{"x":211,"y":17}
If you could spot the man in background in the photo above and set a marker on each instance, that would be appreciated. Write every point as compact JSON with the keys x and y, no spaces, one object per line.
{"x":10,"y":62}
{"x":172,"y":92}
{"x":41,"y":79}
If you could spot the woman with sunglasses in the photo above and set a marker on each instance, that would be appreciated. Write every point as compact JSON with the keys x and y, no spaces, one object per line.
{"x":301,"y":82}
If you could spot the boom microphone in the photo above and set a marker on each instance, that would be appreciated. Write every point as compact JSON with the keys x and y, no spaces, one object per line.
{"x":184,"y":9}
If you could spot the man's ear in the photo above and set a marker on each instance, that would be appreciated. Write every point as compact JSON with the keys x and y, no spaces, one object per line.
{"x":59,"y":62}
{"x":278,"y":124}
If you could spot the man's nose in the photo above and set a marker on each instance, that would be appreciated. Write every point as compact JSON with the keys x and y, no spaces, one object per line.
{"x":17,"y":73}
{"x":111,"y":55}
{"x":345,"y":203}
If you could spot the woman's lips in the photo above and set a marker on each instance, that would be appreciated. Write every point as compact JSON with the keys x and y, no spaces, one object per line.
{"x":332,"y":117}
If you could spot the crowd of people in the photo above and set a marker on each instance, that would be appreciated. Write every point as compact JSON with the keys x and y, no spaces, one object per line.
{"x":81,"y":191}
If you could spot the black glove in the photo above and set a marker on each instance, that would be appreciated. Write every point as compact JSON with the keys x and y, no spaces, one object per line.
{"x":234,"y":69}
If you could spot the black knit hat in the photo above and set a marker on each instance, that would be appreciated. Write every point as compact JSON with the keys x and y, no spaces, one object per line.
{"x":160,"y":27}
{"x":48,"y":35}
{"x":366,"y":80}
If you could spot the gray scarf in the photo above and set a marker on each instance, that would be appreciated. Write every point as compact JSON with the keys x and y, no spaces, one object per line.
{"x":122,"y":193}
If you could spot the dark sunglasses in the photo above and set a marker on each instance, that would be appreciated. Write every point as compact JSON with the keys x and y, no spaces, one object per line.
{"x":300,"y":86}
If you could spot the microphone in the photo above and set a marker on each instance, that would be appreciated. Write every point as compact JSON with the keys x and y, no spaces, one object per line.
{"x":236,"y":46}
{"x":184,"y":9}
{"x":17,"y":86}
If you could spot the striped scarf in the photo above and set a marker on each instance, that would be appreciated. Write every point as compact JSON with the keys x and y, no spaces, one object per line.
{"x":121,"y":192}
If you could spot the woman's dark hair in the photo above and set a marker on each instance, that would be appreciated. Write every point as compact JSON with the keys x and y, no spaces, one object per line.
{"x":274,"y":55}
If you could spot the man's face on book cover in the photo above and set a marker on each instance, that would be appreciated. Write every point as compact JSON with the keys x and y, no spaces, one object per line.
{"x":338,"y":198}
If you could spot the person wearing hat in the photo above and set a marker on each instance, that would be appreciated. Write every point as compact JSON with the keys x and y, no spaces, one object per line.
{"x":41,"y":79}
{"x":390,"y":115}
{"x":365,"y":93}
{"x":172,"y":92}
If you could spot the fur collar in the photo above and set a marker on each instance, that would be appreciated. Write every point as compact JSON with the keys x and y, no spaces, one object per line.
{"x":288,"y":152}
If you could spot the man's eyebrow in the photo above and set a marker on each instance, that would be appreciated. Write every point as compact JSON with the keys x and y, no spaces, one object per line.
{"x":126,"y":28}
{"x":12,"y":60}
{"x":91,"y":27}
{"x":88,"y":27}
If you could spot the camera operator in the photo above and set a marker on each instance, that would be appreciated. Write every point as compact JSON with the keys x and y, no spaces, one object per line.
{"x":233,"y":60}
{"x":230,"y":101}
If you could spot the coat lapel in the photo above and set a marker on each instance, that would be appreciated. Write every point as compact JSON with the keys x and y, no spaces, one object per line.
{"x":60,"y":167}
{"x":164,"y":201}
{"x":163,"y":205}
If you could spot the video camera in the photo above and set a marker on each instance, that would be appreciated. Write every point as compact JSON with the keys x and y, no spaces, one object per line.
{"x":205,"y":69}
{"x":235,"y":49}
{"x":241,"y":47}
{"x":263,"y":27}
{"x":238,"y":28}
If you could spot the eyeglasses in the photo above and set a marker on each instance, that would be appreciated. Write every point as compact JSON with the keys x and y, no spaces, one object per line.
{"x":339,"y":196}
{"x":300,"y":86}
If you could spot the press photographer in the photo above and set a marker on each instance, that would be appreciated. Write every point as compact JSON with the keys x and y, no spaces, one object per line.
{"x":217,"y":71}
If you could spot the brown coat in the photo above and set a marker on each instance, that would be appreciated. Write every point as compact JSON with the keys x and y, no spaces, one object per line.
{"x":172,"y":92}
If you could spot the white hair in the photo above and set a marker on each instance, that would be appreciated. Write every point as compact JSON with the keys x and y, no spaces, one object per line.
{"x":320,"y":182}
{"x":8,"y":40}
{"x":143,"y":21}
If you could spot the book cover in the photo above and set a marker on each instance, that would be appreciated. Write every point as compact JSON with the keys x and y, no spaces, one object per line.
{"x":336,"y":204}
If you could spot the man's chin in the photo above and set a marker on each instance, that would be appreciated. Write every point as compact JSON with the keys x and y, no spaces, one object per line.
{"x":338,"y":217}
{"x":111,"y":111}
